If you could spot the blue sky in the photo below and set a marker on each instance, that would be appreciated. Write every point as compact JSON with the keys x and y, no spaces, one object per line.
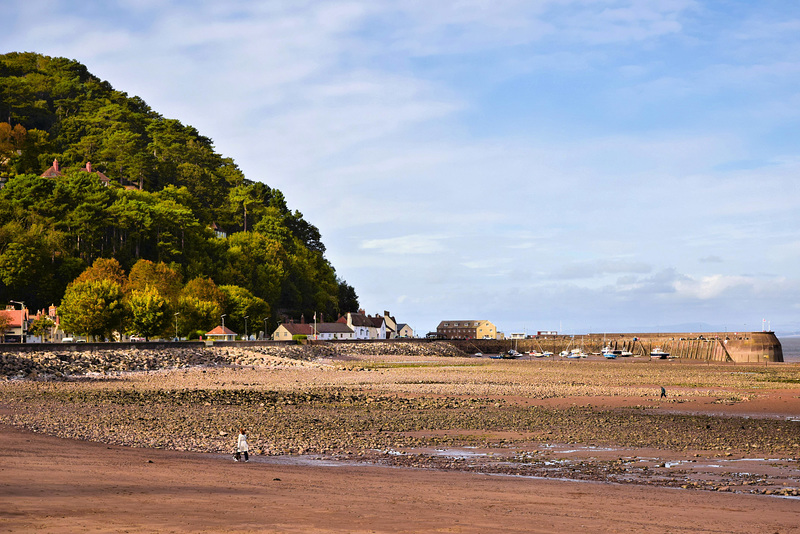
{"x":572,"y":165}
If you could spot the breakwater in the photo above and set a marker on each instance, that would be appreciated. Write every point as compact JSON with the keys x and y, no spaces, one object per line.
{"x":739,"y":347}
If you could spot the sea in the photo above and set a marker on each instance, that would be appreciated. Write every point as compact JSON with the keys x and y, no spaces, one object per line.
{"x":791,"y":348}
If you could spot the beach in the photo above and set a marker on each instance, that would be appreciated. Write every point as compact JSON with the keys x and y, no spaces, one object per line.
{"x":406,"y":443}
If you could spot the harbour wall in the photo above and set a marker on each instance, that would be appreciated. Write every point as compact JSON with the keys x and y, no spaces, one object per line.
{"x":739,"y":347}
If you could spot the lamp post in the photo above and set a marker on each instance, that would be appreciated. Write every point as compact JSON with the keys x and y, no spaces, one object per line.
{"x":245,"y":327}
{"x":176,"y":325}
{"x":265,"y":328}
{"x":223,"y":320}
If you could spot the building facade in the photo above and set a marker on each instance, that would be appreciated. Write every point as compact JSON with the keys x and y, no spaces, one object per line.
{"x":469,"y":329}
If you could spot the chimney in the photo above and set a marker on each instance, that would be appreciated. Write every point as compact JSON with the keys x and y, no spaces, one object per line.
{"x":55,"y":165}
{"x":88,"y":166}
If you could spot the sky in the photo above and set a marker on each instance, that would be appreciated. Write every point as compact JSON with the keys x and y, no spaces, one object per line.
{"x":571,"y":165}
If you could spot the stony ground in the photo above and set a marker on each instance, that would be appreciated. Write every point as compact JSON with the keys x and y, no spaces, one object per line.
{"x":594,"y":420}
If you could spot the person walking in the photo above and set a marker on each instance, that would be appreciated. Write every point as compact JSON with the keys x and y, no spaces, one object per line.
{"x":663,"y":392}
{"x":241,"y":447}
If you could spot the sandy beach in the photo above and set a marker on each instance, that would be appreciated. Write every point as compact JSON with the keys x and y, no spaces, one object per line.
{"x":406,"y":444}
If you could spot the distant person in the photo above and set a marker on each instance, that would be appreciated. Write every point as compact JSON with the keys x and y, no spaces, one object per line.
{"x":241,"y":447}
{"x":663,"y":392}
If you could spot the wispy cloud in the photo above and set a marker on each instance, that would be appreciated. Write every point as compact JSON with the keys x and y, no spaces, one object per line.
{"x":503,"y":159}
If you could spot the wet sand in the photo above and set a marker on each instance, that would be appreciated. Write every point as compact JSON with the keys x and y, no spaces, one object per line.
{"x":58,"y":485}
{"x":406,"y":444}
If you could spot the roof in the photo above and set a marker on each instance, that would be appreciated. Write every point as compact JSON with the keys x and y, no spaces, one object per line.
{"x":52,"y":171}
{"x":466,"y":323}
{"x":377,"y":322}
{"x":333,"y":328}
{"x":102,"y":176}
{"x":359,"y":319}
{"x":221,"y":331}
{"x":17,"y":317}
{"x":299,"y":329}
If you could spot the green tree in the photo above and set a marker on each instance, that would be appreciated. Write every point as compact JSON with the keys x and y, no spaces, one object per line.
{"x":92,"y":308}
{"x":42,"y":327}
{"x":148,"y":311}
{"x":200,"y":305}
{"x":241,"y":303}
{"x":348,"y":300}
{"x":165,"y":278}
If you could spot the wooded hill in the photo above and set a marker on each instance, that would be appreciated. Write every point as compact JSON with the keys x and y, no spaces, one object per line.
{"x":170,"y":200}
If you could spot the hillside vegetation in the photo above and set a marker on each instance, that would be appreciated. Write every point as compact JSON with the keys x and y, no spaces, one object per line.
{"x":172,"y":202}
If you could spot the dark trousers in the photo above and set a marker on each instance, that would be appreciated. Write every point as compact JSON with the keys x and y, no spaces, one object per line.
{"x":238,"y":455}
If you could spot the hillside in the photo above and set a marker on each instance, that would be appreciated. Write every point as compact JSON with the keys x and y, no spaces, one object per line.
{"x":125,"y":183}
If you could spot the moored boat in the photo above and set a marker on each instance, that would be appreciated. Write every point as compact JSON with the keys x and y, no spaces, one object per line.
{"x":609,"y":353}
{"x":657,"y":353}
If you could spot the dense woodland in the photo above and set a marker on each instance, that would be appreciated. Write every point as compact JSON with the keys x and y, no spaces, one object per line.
{"x":153,"y":226}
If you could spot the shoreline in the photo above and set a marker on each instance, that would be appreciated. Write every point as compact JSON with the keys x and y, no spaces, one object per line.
{"x":409,"y":423}
{"x":143,"y":490}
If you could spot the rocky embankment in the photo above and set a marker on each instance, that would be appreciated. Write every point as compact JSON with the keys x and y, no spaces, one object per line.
{"x":53,"y":364}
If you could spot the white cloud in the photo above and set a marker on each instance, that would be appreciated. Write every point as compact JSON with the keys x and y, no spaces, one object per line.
{"x":501,"y":159}
{"x":409,"y":244}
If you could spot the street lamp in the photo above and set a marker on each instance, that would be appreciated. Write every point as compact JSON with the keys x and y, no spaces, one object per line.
{"x":265,"y":328}
{"x":223,"y":320}
{"x":21,"y":304}
{"x":176,"y":325}
{"x":245,"y":326}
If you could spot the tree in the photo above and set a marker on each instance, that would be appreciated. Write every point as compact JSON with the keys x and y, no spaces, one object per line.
{"x":5,"y":321}
{"x":104,"y":269}
{"x":92,"y":308}
{"x":166,"y":279}
{"x":149,"y":312}
{"x":200,"y":305}
{"x":241,"y":303}
{"x":348,"y":300}
{"x":42,"y":326}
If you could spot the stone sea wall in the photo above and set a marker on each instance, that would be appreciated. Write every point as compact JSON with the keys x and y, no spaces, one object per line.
{"x":739,"y":347}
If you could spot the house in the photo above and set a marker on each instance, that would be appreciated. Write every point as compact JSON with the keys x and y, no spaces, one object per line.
{"x":470,"y":329}
{"x":391,"y":325}
{"x":378,"y":328}
{"x":221,"y":333}
{"x":55,"y":334}
{"x":103,"y":178}
{"x":358,"y":322}
{"x":17,"y":329}
{"x":53,"y":171}
{"x":403,"y":330}
{"x":218,"y":232}
{"x":333,"y":331}
{"x":286,"y":331}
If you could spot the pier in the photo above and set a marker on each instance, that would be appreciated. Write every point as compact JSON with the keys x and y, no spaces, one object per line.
{"x":738,"y":347}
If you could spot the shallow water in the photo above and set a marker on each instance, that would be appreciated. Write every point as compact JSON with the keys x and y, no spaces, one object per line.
{"x":791,"y":348}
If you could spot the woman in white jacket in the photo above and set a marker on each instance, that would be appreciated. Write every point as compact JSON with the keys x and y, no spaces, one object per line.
{"x":241,"y":446}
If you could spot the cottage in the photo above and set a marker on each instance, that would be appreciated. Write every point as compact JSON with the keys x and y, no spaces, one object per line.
{"x":359,"y":323}
{"x":286,"y":331}
{"x":103,"y":178}
{"x":53,"y":171}
{"x":403,"y":330}
{"x":334,"y":331}
{"x":221,"y":333}
{"x":17,"y":328}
